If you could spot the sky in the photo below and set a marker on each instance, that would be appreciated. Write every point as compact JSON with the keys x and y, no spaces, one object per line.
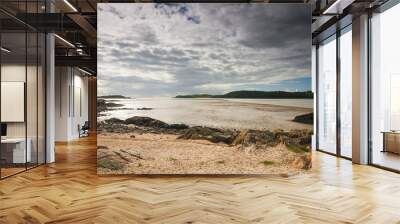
{"x":164,"y":50}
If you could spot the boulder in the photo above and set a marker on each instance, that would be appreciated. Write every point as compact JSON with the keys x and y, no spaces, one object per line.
{"x":178,"y":126}
{"x":305,"y":118}
{"x":115,"y":121}
{"x":211,"y":134}
{"x":104,"y":126}
{"x":146,"y":122}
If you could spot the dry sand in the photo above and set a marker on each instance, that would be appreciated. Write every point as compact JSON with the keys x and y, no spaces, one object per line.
{"x":165,"y":154}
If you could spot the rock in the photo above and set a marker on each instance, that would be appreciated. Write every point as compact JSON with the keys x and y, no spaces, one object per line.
{"x":211,"y":134}
{"x":132,"y":136}
{"x":108,"y":163}
{"x":144,"y":108}
{"x":103,"y":105}
{"x":178,"y":126}
{"x":146,"y":122}
{"x":114,"y":127}
{"x":305,"y":118}
{"x":294,"y":137}
{"x":115,"y":121}
{"x":298,"y":141}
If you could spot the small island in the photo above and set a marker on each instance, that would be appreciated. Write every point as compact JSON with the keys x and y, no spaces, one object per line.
{"x":246,"y":94}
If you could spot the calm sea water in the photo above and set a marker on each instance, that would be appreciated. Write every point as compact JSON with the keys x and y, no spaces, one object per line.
{"x":223,"y":113}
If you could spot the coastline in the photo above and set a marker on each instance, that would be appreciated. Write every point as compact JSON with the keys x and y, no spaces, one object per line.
{"x":212,"y":112}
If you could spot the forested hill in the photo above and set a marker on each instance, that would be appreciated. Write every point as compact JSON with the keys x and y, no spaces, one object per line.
{"x":113,"y":97}
{"x":255,"y":95}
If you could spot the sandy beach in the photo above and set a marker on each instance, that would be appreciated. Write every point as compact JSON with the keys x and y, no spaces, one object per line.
{"x":132,"y":149}
{"x":164,"y":154}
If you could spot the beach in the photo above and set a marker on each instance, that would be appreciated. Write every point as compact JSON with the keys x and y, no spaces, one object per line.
{"x":144,"y":145}
{"x":203,"y":136}
{"x":165,"y":154}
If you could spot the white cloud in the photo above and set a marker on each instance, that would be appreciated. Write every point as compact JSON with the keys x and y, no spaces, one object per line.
{"x":212,"y":47}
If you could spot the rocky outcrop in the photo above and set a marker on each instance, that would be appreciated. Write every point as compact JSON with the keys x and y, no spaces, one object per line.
{"x":107,"y":126}
{"x":114,"y":121}
{"x":305,"y":118}
{"x":103,"y":106}
{"x":141,"y":125}
{"x":211,"y":134}
{"x":115,"y":159}
{"x":297,"y":141}
{"x":146,"y":122}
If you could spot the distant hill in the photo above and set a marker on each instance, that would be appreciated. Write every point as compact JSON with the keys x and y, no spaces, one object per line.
{"x":113,"y":97}
{"x":255,"y":95}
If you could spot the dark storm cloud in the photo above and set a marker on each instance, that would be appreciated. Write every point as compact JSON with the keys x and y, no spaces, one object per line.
{"x":169,"y":49}
{"x":285,"y":28}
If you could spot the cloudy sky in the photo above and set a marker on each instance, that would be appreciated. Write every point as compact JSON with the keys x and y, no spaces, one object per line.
{"x":148,"y":50}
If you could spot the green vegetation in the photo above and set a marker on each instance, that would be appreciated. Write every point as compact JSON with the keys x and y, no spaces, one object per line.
{"x":172,"y":159}
{"x":268,"y":162}
{"x":255,"y":95}
{"x":113,"y":97}
{"x":296,"y":148}
{"x":109,"y":164}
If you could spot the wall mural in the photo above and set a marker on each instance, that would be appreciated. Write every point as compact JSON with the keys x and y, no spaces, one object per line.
{"x":216,"y":88}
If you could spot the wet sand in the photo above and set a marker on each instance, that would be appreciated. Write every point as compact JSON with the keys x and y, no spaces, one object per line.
{"x":217,"y":113}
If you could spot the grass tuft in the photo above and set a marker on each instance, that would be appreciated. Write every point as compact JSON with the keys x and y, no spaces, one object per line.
{"x":108,"y":164}
{"x":172,"y":159}
{"x":296,"y":148}
{"x":268,"y":162}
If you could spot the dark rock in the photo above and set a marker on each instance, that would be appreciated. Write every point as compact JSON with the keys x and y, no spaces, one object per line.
{"x":146,"y":122}
{"x":300,"y":138}
{"x":103,"y":105}
{"x":114,"y":127}
{"x":114,"y":105}
{"x":178,"y":126}
{"x":115,"y":121}
{"x":132,"y":136}
{"x":145,"y":108}
{"x":109,"y":163}
{"x":305,"y":118}
{"x":211,"y":134}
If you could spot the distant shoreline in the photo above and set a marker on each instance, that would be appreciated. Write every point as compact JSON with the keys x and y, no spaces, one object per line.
{"x":244,"y":94}
{"x":113,"y":97}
